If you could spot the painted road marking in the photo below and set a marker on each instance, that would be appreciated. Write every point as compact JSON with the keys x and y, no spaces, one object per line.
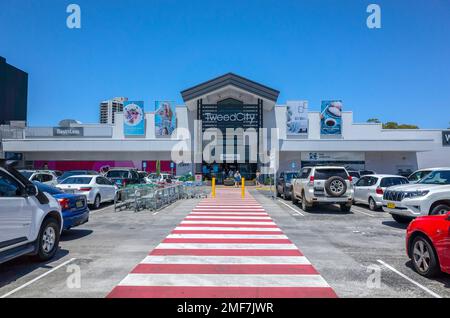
{"x":293,"y":209}
{"x":37,"y":278}
{"x":409,"y":279}
{"x":228,"y":252}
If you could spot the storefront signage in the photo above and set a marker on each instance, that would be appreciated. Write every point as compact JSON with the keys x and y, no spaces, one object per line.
{"x":446,"y":138}
{"x":133,"y":118}
{"x":297,"y":117}
{"x":165,"y":119}
{"x":68,"y":131}
{"x":331,"y":118}
{"x":333,"y":156}
{"x":230,"y":116}
{"x":250,"y":118}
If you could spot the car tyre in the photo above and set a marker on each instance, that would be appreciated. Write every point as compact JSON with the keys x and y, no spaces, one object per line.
{"x":401,"y":219}
{"x":294,"y":199}
{"x":424,"y":257}
{"x":305,"y":206}
{"x":278,"y":194}
{"x":48,"y":240}
{"x":345,"y":208}
{"x":97,"y":202}
{"x":440,"y":209}
{"x":372,"y":205}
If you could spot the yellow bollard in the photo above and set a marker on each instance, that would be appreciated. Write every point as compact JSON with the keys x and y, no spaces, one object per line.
{"x":213,"y":188}
{"x":243,"y":187}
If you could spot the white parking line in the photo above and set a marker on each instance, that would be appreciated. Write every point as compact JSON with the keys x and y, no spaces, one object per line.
{"x":409,"y":279}
{"x":295,"y":210}
{"x":362,"y":212}
{"x":37,"y":278}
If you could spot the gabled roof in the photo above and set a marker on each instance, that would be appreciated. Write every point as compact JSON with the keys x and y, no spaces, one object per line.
{"x":226,"y":80}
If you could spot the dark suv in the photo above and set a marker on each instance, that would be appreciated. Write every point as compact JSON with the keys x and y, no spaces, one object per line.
{"x":123,"y":177}
{"x":284,"y":186}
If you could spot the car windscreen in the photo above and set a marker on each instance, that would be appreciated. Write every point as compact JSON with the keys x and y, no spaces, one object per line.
{"x":77,"y":180}
{"x":417,"y":176}
{"x":71,"y":173}
{"x":26,"y":174}
{"x":437,"y":177}
{"x":48,"y":189}
{"x":392,"y":181}
{"x":291,"y":175}
{"x":325,"y":174}
{"x":117,"y":174}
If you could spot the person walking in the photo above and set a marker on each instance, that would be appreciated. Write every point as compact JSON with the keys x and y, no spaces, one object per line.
{"x":237,"y":179}
{"x":258,"y":177}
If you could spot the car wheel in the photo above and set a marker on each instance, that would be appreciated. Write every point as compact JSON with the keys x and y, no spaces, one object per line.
{"x":335,"y":186}
{"x":48,"y":240}
{"x":345,"y":208}
{"x":401,"y":219}
{"x":305,"y":206}
{"x":440,"y":209}
{"x":294,"y":199}
{"x":372,"y":204}
{"x":424,"y":258}
{"x":97,"y":202}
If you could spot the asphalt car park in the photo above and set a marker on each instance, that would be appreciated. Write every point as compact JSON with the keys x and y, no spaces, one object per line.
{"x":360,"y":253}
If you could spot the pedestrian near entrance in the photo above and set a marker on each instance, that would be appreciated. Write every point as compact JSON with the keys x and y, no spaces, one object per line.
{"x":237,"y":179}
{"x":258,"y":177}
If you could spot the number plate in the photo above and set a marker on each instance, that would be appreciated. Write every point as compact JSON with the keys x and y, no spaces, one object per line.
{"x":79,"y":204}
{"x":391,"y":205}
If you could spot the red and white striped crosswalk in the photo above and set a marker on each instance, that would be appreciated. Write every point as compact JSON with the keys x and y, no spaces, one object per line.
{"x":226,"y":247}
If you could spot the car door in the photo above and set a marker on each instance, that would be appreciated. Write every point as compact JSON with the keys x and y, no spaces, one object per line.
{"x":360,"y":188}
{"x":371,"y":188}
{"x":441,"y":241}
{"x":101,"y":187}
{"x":108,"y":187}
{"x":15,"y":212}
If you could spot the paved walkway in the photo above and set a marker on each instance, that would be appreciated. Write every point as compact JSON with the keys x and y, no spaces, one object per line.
{"x":226,"y":247}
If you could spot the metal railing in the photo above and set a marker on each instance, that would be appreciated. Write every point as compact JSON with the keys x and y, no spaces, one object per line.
{"x":148,"y":197}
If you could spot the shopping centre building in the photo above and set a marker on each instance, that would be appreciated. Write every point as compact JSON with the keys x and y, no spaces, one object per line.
{"x":299,"y":136}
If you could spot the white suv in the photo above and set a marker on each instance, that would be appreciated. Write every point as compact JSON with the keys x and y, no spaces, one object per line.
{"x":430,"y":196}
{"x":30,"y":220}
{"x":323,"y":185}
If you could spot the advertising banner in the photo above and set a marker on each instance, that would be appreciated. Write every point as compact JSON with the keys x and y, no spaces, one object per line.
{"x":165,"y":119}
{"x":297,"y":117}
{"x":331,"y":118}
{"x":133,"y":118}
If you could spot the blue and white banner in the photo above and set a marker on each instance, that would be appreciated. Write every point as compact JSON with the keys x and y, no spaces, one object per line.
{"x":165,"y":119}
{"x":331,"y":117}
{"x":297,"y":117}
{"x":133,"y":118}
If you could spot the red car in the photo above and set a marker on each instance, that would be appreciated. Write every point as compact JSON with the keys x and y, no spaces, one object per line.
{"x":428,"y":244}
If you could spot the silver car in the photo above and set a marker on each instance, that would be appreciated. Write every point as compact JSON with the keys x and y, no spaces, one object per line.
{"x":370,"y":189}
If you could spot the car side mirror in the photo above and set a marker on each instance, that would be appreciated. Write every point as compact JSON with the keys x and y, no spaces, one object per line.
{"x":31,"y":190}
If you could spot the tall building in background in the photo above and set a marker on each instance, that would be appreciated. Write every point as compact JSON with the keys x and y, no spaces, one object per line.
{"x":13,"y":93}
{"x":109,"y":107}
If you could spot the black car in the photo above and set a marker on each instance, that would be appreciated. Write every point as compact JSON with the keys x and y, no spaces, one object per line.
{"x":123,"y":177}
{"x":284,"y":186}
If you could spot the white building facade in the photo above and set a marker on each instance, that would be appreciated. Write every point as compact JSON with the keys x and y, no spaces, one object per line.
{"x":233,"y":102}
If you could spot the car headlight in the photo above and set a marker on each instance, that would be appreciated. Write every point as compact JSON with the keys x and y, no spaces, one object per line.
{"x":415,"y":194}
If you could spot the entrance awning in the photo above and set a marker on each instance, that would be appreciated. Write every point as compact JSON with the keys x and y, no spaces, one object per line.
{"x":230,"y":86}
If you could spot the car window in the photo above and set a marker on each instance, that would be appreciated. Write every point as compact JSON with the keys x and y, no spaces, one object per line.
{"x":325,"y":174}
{"x":441,"y":177}
{"x":77,"y":180}
{"x":354,"y":174}
{"x":363,"y":182}
{"x":117,"y":174}
{"x":371,"y":181}
{"x":392,"y":181}
{"x":416,"y":176}
{"x":46,"y":177}
{"x":305,"y":173}
{"x":100,"y":181}
{"x":291,"y":175}
{"x":26,"y":174}
{"x":9,"y":187}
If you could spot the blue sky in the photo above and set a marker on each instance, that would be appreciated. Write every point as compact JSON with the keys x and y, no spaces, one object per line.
{"x":314,"y":50}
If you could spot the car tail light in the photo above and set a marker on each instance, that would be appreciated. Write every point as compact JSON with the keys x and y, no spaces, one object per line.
{"x":379,"y":191}
{"x":64,"y":203}
{"x":124,"y":183}
{"x":311,"y":179}
{"x":350,"y":178}
{"x":85,"y":189}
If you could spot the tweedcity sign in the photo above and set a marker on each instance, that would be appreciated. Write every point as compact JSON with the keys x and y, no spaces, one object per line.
{"x":250,"y":118}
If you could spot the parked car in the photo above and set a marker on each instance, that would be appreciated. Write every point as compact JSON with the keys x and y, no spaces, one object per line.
{"x":97,"y":189}
{"x":284,"y":185}
{"x":123,"y":177}
{"x":428,"y":244}
{"x":323,"y":185}
{"x":30,"y":220}
{"x":74,"y":207}
{"x":43,"y":176}
{"x":430,"y":196}
{"x":70,"y":173}
{"x":370,"y":189}
{"x":355,"y":176}
{"x":420,"y":174}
